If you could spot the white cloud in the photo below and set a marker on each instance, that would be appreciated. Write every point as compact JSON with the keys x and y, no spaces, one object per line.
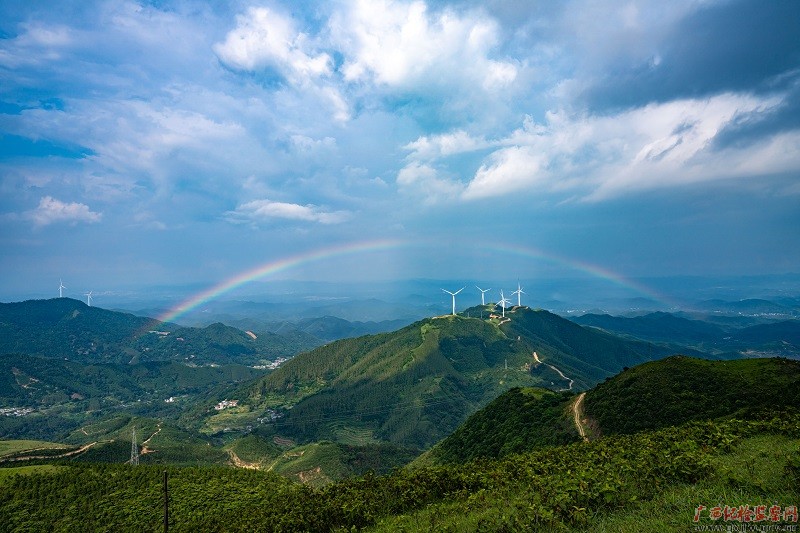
{"x":403,"y":44}
{"x":437,"y":146}
{"x":264,"y":210}
{"x":424,"y":182}
{"x":654,"y":146}
{"x":36,"y":44}
{"x":51,"y":211}
{"x":508,"y":170}
{"x":264,"y":38}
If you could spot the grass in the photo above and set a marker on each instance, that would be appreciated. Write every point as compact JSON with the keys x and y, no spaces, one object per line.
{"x":354,"y":436}
{"x":27,"y":470}
{"x":14,"y":447}
{"x":751,"y":474}
{"x":314,"y":464}
{"x":232,"y":417}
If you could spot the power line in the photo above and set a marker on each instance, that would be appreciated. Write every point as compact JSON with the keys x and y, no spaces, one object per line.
{"x":134,"y":449}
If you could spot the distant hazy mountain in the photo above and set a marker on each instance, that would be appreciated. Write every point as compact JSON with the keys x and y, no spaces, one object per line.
{"x":331,"y":328}
{"x":69,"y":329}
{"x":749,"y":307}
{"x":658,"y":327}
{"x":737,"y":334}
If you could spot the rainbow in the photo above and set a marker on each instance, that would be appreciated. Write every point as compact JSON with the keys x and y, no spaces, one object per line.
{"x":581,"y":266}
{"x":274,"y":267}
{"x":320,"y":254}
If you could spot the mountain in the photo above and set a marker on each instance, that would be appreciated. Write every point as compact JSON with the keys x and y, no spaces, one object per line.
{"x":681,"y":389}
{"x":47,"y":398}
{"x":752,"y":307}
{"x":331,"y":328}
{"x":656,"y":327}
{"x":585,"y":355}
{"x":769,"y":339}
{"x":69,"y":329}
{"x":519,"y":420}
{"x":41,"y":382}
{"x":650,"y":396}
{"x":409,"y":387}
{"x":414,"y":386}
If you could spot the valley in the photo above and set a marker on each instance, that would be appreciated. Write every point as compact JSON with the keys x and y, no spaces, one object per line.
{"x":437,"y":393}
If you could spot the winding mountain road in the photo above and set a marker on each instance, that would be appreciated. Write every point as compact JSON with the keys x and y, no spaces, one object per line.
{"x":577,"y":416}
{"x":560,"y":373}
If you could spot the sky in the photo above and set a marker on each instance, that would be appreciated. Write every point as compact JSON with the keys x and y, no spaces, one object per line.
{"x":163,"y":143}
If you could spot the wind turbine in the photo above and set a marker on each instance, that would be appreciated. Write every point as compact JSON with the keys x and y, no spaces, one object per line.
{"x":453,"y":294}
{"x":61,"y":287}
{"x":482,"y":292}
{"x":519,"y":292}
{"x":88,"y":298}
{"x":503,"y":302}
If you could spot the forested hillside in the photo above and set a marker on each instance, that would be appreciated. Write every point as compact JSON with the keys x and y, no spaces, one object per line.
{"x":410,"y":387}
{"x":680,"y":389}
{"x":643,"y":482}
{"x":585,"y":355}
{"x":64,"y":328}
{"x":414,"y":386}
{"x":520,"y":420}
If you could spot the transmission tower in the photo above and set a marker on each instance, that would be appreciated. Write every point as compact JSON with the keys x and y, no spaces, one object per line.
{"x":134,"y":450}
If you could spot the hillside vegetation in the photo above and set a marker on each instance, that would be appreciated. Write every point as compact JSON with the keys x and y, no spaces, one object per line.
{"x":411,"y":387}
{"x":520,"y":420}
{"x":579,"y":486}
{"x":414,"y":386}
{"x":64,"y":328}
{"x":586,"y":355}
{"x":680,"y":389}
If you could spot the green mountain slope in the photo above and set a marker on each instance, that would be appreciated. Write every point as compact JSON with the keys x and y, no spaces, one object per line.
{"x":653,"y":395}
{"x":517,"y":421}
{"x":40,"y":382}
{"x":69,"y":329}
{"x":410,"y":387}
{"x":414,"y":386}
{"x":680,"y":389}
{"x":651,"y":481}
{"x":585,"y":355}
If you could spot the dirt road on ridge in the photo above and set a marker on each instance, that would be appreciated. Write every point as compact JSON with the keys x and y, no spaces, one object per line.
{"x":558,"y":371}
{"x":577,"y":416}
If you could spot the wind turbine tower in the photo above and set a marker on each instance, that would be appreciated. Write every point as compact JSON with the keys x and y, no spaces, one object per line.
{"x":519,"y":292}
{"x":88,"y":298}
{"x":483,"y":291}
{"x":61,"y":288}
{"x":503,"y":302}
{"x":453,"y":294}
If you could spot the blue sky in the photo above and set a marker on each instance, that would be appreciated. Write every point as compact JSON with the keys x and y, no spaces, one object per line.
{"x":157,"y":143}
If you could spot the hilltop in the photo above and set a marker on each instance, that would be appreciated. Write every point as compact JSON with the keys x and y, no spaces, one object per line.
{"x":414,"y":386}
{"x":681,"y":389}
{"x":650,"y":396}
{"x":69,"y":329}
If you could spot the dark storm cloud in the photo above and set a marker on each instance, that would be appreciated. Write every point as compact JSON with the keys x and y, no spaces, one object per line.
{"x":737,"y":46}
{"x":753,"y":127}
